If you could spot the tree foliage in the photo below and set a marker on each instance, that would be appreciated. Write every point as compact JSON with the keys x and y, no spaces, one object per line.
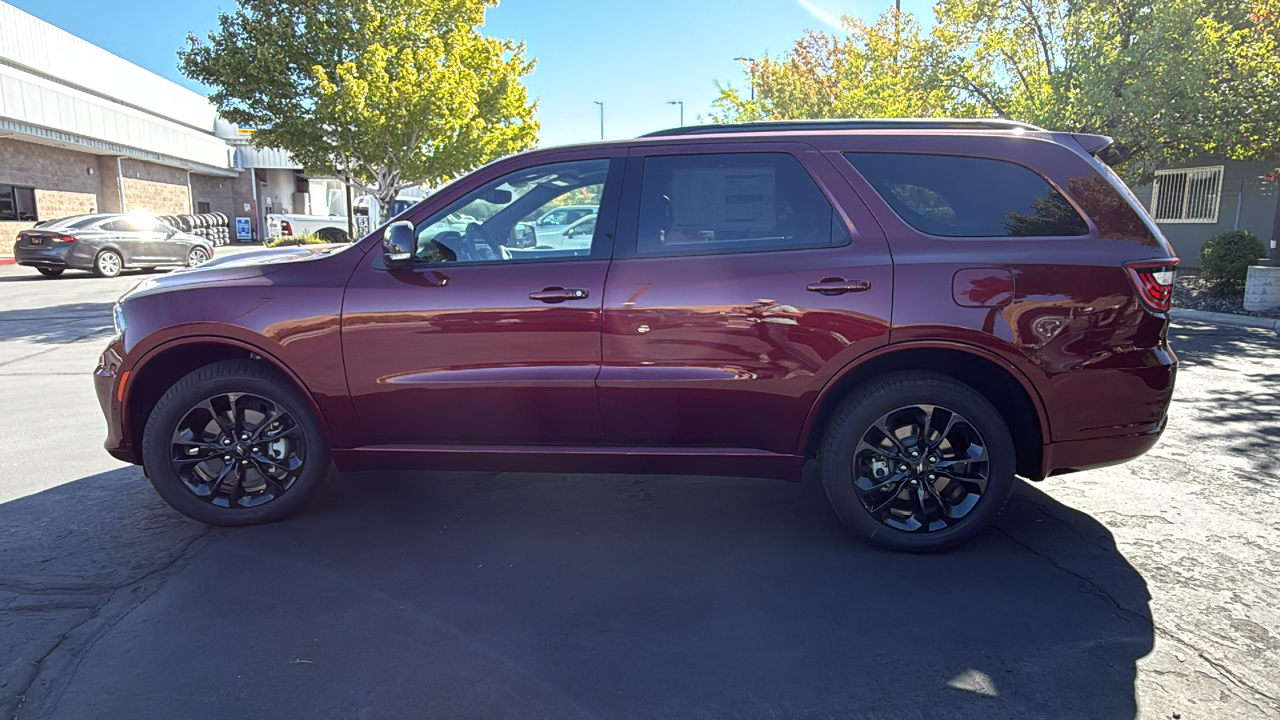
{"x":1168,"y":79}
{"x":383,"y":94}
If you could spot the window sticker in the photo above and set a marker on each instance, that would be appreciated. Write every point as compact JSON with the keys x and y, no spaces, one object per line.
{"x":724,"y":199}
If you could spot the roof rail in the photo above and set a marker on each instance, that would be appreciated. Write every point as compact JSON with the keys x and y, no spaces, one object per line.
{"x":764,"y":126}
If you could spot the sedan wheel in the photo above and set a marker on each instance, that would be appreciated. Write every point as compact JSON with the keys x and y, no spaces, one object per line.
{"x":50,"y":271}
{"x":197,"y":256}
{"x":107,"y":264}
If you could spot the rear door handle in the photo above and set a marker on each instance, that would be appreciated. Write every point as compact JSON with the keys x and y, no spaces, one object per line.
{"x":559,"y":294}
{"x":838,"y":286}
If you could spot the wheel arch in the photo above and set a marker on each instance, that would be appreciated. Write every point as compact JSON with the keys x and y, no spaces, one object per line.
{"x":1012,"y":393}
{"x":165,"y":364}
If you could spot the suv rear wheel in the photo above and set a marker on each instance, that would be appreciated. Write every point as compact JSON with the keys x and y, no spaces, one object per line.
{"x":917,"y":462}
{"x":233,"y":443}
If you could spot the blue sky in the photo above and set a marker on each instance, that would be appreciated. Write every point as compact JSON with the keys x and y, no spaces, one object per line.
{"x":633,"y":55}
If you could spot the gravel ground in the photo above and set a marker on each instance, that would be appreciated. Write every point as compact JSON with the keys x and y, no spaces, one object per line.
{"x":1192,"y":293}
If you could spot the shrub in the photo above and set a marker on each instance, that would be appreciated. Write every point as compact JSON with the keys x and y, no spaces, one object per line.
{"x":303,"y":239}
{"x":1225,"y":259}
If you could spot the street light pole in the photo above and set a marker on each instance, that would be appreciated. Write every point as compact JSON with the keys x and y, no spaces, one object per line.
{"x":751,"y":70}
{"x":681,"y":104}
{"x":601,"y":117}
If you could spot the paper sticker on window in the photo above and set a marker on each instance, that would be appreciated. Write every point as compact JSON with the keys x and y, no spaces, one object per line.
{"x":723,"y":199}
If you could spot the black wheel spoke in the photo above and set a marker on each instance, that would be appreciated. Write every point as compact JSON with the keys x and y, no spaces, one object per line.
{"x":226,"y":428}
{"x":889,"y":498}
{"x":237,"y":485}
{"x":923,"y":512}
{"x":942,"y":437}
{"x":943,"y":506}
{"x":882,"y":426}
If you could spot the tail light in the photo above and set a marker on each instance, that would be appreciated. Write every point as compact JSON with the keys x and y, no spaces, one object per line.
{"x":62,"y":238}
{"x":285,"y":228}
{"x":1154,"y":283}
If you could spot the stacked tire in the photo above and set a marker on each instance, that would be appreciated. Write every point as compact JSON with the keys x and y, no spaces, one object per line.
{"x":215,"y":227}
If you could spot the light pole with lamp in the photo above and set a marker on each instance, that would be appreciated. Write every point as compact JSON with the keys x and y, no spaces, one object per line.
{"x":601,"y":117}
{"x":751,"y":69}
{"x":681,"y":104}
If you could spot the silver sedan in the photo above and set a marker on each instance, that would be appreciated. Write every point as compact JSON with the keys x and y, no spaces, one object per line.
{"x":107,"y":244}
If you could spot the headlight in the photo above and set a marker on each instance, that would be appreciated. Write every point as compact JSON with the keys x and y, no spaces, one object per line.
{"x":117,"y":318}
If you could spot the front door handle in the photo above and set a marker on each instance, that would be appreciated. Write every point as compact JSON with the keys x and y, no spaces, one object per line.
{"x":838,"y":286}
{"x":559,"y":294}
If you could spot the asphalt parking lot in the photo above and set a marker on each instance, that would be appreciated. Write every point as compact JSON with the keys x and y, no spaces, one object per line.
{"x":1146,"y":590}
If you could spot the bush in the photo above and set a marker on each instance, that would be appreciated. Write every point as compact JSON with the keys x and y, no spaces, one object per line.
{"x":1225,"y":259}
{"x":303,"y":239}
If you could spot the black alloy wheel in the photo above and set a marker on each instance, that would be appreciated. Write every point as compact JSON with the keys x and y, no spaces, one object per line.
{"x":235,"y":443}
{"x":237,"y":450}
{"x":921,"y":468}
{"x":917,"y":462}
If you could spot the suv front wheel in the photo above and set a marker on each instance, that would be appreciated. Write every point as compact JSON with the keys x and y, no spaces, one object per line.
{"x":917,"y":462}
{"x":233,"y":443}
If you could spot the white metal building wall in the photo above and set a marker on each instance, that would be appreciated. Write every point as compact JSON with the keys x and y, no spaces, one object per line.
{"x":57,"y":82}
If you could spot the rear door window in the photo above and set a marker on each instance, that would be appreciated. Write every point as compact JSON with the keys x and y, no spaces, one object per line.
{"x":956,"y":196}
{"x":732,"y":202}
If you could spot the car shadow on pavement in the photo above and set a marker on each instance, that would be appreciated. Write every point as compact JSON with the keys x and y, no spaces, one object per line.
{"x":523,"y":595}
{"x":55,"y":324}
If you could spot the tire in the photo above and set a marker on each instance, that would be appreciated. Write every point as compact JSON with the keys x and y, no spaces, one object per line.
{"x":107,"y":264}
{"x":50,"y":272}
{"x":912,"y":518}
{"x":256,"y":384}
{"x":197,"y":256}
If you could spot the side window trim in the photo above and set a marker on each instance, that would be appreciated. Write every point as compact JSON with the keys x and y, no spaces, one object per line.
{"x":626,"y":240}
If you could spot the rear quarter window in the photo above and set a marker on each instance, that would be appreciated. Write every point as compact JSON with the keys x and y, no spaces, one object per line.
{"x":957,"y":196}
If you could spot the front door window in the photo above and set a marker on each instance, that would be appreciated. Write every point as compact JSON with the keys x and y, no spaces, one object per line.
{"x":500,"y":221}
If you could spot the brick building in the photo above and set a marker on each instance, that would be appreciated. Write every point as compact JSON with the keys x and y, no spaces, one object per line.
{"x":82,"y":130}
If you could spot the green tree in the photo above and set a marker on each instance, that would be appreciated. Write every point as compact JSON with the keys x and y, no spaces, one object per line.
{"x":382,"y":94}
{"x":1168,"y":79}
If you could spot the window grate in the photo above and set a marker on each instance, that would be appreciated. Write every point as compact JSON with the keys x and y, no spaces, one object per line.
{"x":1187,"y":195}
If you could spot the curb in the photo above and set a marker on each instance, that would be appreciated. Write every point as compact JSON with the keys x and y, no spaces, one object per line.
{"x":1215,"y":318}
{"x":7,"y":260}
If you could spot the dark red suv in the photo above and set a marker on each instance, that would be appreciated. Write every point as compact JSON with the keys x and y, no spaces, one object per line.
{"x":926,"y":308}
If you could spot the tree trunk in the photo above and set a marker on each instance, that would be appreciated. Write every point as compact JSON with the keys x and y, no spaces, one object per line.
{"x":385,"y":202}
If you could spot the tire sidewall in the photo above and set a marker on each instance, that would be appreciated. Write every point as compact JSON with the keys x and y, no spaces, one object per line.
{"x":174,"y":405}
{"x":856,"y":416}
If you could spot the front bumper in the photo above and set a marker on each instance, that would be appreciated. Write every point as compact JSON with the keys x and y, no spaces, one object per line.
{"x":108,"y":382}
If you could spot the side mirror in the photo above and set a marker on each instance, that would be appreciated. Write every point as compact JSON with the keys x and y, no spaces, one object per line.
{"x":398,"y":242}
{"x":525,"y":235}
